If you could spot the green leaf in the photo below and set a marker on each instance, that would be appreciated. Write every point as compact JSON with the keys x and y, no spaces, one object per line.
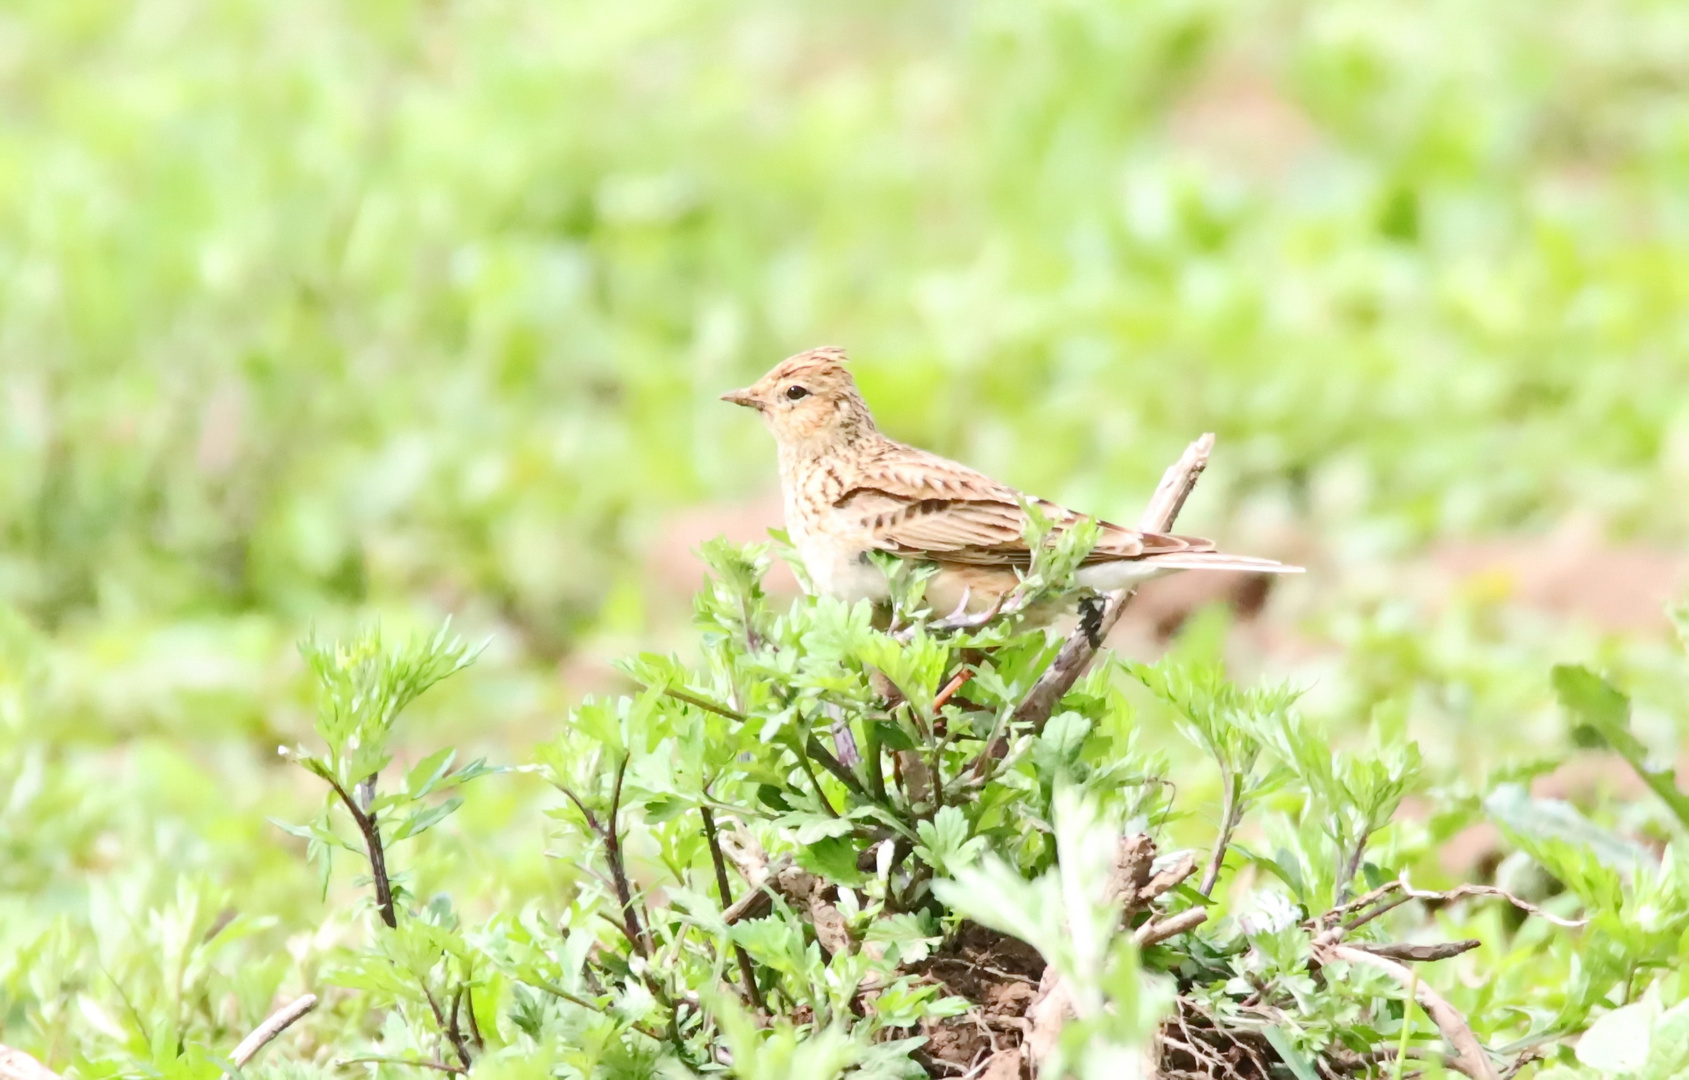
{"x":429,"y":771}
{"x":423,"y":820}
{"x":833,"y":858}
{"x":1596,"y":703}
{"x":1512,"y":806}
{"x":1619,"y":1041}
{"x":812,"y":827}
{"x":1293,"y":1057}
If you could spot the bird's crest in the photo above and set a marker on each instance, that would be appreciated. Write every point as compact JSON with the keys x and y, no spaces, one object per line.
{"x":827,"y":357}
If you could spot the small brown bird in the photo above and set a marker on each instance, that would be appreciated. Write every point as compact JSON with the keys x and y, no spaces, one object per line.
{"x":850,"y":490}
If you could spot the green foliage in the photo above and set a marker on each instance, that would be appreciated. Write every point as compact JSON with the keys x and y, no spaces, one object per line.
{"x":327,"y":312}
{"x":1606,"y":714}
{"x":872,"y":862}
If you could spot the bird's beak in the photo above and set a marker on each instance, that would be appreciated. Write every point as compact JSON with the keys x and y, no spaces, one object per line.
{"x":742,"y":397}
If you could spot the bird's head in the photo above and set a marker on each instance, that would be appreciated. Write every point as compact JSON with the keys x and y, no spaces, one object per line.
{"x":808,"y":400}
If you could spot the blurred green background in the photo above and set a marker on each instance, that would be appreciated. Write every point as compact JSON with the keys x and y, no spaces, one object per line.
{"x":314,"y":312}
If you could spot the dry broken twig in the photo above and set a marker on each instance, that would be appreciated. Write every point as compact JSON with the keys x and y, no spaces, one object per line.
{"x":1423,"y":953}
{"x":1395,"y":893}
{"x":278,"y":1022}
{"x":1470,"y":1058}
{"x":1077,"y":651}
{"x":1155,"y":932}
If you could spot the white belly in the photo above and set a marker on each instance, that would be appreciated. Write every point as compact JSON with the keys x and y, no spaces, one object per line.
{"x":845,"y":575}
{"x":839,"y":570}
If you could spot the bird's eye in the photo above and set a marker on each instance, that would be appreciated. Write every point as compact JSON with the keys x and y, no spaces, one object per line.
{"x":796,"y":393}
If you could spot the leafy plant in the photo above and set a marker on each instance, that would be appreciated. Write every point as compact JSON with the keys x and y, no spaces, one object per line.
{"x":821,"y":848}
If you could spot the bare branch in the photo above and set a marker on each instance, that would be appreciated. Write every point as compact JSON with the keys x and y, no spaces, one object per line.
{"x":813,"y":748}
{"x":469,"y":1011}
{"x":448,"y":1029}
{"x":437,"y":1066}
{"x":1470,"y":1059}
{"x":758,"y":902}
{"x":1374,"y":904}
{"x":371,"y":830}
{"x":618,"y":867}
{"x":1153,"y":933}
{"x":1424,"y":953}
{"x":1077,"y":651}
{"x":950,"y":688}
{"x":746,"y":972}
{"x":702,"y":703}
{"x":1490,"y":890}
{"x":262,"y":1035}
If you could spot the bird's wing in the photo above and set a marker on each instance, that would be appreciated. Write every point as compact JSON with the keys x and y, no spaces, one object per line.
{"x":919,"y":505}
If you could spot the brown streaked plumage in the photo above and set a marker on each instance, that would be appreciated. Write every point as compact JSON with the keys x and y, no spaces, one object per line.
{"x":850,"y":490}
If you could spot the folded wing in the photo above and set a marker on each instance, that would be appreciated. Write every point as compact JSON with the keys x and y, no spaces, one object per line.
{"x":923,"y":506}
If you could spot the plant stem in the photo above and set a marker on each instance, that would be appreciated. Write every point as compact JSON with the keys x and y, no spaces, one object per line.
{"x":618,"y":866}
{"x":872,"y":766}
{"x":1231,"y":812}
{"x":703,"y":703}
{"x":264,"y":1033}
{"x":437,"y":1066}
{"x":1407,"y":1023}
{"x":746,"y":972}
{"x":815,"y":782}
{"x":448,"y":1028}
{"x":812,"y":748}
{"x":1348,"y":868}
{"x":371,"y":830}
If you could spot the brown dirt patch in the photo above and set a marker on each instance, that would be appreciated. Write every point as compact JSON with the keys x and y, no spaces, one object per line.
{"x":1000,"y":975}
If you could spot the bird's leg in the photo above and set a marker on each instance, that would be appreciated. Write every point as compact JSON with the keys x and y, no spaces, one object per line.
{"x":956,"y":618}
{"x":960,"y":620}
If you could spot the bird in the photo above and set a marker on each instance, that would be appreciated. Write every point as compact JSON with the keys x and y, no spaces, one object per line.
{"x":848,"y":490}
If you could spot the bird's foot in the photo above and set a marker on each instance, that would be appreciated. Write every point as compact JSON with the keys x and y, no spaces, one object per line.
{"x":961,"y":620}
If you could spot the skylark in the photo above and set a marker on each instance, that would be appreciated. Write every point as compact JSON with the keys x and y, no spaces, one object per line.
{"x":849,"y":491}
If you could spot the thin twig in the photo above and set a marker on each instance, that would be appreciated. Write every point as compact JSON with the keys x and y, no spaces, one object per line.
{"x":950,"y":688}
{"x":1421,"y":953}
{"x":1470,"y":1058}
{"x":1370,"y":907}
{"x":278,"y":1022}
{"x":1153,"y":933}
{"x":469,"y":1010}
{"x":812,"y":747}
{"x":1231,"y":812}
{"x":814,"y":782}
{"x":454,"y":1026}
{"x":371,"y":830}
{"x":1080,"y":646}
{"x":703,"y":703}
{"x":445,"y":1027}
{"x":1490,"y":890}
{"x":1348,"y":868}
{"x":746,"y":973}
{"x":618,"y":867}
{"x":437,"y":1066}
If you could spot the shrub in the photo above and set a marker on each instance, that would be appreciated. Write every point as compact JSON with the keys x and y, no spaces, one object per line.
{"x":839,"y":848}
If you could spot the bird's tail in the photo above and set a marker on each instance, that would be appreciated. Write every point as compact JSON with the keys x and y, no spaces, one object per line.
{"x":1218,"y":560}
